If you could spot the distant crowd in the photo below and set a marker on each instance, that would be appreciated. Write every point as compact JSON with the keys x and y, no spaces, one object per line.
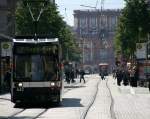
{"x":71,"y":74}
{"x":127,"y":74}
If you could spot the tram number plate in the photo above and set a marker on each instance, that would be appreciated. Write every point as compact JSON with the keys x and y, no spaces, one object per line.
{"x":20,"y":89}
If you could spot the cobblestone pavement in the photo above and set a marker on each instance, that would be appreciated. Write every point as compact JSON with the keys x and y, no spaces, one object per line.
{"x":130,"y":103}
{"x":101,"y":106}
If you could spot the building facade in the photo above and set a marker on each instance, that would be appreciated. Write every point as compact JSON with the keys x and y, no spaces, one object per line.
{"x":95,"y":30}
{"x":7,"y":19}
{"x":7,"y":29}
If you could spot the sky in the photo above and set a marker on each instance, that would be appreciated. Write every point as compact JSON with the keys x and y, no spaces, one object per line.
{"x":66,"y":7}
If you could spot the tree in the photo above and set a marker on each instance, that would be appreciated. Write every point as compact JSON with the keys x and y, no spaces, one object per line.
{"x":50,"y":24}
{"x":133,"y":26}
{"x":70,"y":50}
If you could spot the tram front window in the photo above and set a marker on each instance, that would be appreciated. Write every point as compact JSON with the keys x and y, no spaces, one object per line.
{"x":35,"y":68}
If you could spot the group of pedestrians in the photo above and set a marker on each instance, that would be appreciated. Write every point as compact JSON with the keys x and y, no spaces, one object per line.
{"x":71,"y":74}
{"x":126,"y":74}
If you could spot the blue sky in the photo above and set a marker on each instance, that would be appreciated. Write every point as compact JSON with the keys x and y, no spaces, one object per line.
{"x":66,"y":7}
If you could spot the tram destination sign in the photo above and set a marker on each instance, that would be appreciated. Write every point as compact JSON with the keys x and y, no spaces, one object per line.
{"x":35,"y":49}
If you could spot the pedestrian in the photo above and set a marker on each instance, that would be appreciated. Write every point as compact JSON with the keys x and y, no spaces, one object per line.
{"x":82,"y":73}
{"x":119,"y":76}
{"x":102,"y":74}
{"x":149,"y":83}
{"x":72,"y":76}
{"x":132,"y":76}
{"x":7,"y":79}
{"x":67,"y":74}
{"x":125,"y":77}
{"x":77,"y":73}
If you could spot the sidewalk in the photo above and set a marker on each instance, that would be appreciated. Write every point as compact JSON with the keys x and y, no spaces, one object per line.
{"x":130,"y":103}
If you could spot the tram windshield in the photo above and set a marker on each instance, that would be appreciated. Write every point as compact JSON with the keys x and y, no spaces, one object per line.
{"x":36,"y":66}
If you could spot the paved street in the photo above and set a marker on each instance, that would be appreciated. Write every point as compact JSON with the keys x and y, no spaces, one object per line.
{"x":95,"y":99}
{"x":130,"y":103}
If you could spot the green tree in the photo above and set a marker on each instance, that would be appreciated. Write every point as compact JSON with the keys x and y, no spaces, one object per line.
{"x":133,"y":26}
{"x":50,"y":24}
{"x":70,"y":50}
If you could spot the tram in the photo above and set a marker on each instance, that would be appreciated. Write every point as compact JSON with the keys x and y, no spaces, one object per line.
{"x":37,"y":75}
{"x":103,"y":67}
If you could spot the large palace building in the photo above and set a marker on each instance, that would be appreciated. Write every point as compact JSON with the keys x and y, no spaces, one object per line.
{"x":95,"y":30}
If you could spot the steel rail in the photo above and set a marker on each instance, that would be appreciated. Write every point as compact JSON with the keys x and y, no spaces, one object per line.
{"x":13,"y":115}
{"x":83,"y":116}
{"x":113,"y":116}
{"x":112,"y":113}
{"x":40,"y":114}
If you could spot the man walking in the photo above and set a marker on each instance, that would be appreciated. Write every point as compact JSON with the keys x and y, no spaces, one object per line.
{"x":82,"y":73}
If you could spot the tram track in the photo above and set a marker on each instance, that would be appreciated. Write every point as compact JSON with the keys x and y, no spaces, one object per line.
{"x":13,"y":115}
{"x":40,"y":114}
{"x":112,"y":113}
{"x":113,"y":116}
{"x":83,"y":116}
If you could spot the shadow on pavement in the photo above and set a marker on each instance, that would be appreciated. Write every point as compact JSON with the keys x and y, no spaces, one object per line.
{"x":36,"y":105}
{"x":71,"y":102}
{"x":74,"y":86}
{"x":66,"y":102}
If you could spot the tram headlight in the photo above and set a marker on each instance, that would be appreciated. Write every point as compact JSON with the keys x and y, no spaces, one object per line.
{"x":20,"y":84}
{"x":52,"y":84}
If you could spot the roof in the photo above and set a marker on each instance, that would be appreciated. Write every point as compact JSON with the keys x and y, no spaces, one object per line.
{"x":32,"y":40}
{"x":101,"y":64}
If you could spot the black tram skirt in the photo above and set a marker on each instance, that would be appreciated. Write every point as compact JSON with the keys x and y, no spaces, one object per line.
{"x":36,"y":95}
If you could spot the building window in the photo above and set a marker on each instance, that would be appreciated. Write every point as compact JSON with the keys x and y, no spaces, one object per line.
{"x":3,"y":21}
{"x":103,"y":54}
{"x":93,"y":22}
{"x":83,"y":22}
{"x":3,"y":3}
{"x":83,"y":26}
{"x":87,"y":45}
{"x":87,"y":57}
{"x":75,"y":23}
